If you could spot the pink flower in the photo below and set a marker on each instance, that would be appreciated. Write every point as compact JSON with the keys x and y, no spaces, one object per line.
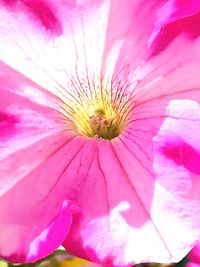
{"x":99,"y":129}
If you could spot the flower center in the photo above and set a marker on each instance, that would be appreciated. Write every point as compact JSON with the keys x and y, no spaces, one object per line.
{"x":98,"y":112}
{"x":102,"y":123}
{"x":103,"y":126}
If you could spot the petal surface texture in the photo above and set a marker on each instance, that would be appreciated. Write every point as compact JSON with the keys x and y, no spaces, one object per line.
{"x":34,"y":220}
{"x":131,"y":199}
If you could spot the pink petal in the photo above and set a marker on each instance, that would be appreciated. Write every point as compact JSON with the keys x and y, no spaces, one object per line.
{"x":30,"y":133}
{"x":194,"y":255}
{"x":171,"y":31}
{"x":162,"y":148}
{"x":73,"y":51}
{"x":50,"y":59}
{"x":141,"y":200}
{"x":52,"y":236}
{"x":127,"y":45}
{"x":40,"y":10}
{"x":167,"y":108}
{"x":191,"y":264}
{"x":38,"y":221}
{"x":116,"y":209}
{"x":36,"y":241}
{"x":139,"y":181}
{"x":174,"y":18}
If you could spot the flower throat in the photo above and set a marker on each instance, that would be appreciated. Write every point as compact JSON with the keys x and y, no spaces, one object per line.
{"x":99,"y":119}
{"x":102,"y":126}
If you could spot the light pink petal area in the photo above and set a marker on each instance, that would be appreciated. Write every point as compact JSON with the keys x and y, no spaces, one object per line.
{"x":58,"y":41}
{"x":150,"y":175}
{"x":32,"y":214}
{"x":42,"y":12}
{"x":115,"y":219}
{"x":176,"y":203}
{"x":157,"y":69}
{"x":137,"y":38}
{"x":170,"y":72}
{"x":167,"y":103}
{"x":126,"y":47}
{"x":142,"y":25}
{"x":56,"y":60}
{"x":40,"y":216}
{"x":137,"y":198}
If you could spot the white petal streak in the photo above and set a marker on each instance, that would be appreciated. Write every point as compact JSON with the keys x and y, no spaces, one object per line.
{"x":52,"y":62}
{"x":170,"y":72}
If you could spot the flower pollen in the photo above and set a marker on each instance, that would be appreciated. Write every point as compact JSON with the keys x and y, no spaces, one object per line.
{"x":99,"y":117}
{"x":103,"y":123}
{"x":103,"y":126}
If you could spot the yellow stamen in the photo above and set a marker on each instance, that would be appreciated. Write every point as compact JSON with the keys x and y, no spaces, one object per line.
{"x":99,"y":116}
